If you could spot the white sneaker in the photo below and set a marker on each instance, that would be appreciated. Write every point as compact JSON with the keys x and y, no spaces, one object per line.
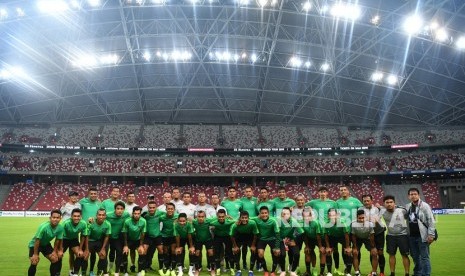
{"x":126,"y":274}
{"x":292,"y":273}
{"x":282,"y":273}
{"x":116,"y":274}
{"x":191,"y":273}
{"x":180,"y":273}
{"x":329,"y":274}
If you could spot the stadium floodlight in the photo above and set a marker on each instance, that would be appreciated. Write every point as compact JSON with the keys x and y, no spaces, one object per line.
{"x":12,"y":72}
{"x":262,"y":3}
{"x":392,"y":79}
{"x":236,"y":57}
{"x":413,"y":24}
{"x":347,"y":11}
{"x":20,"y":12}
{"x":434,"y":25}
{"x":325,"y":67}
{"x":52,"y":6}
{"x":308,"y":64}
{"x":158,"y":53}
{"x":3,"y":14}
{"x":324,"y":9}
{"x":75,"y":4}
{"x":441,"y":35}
{"x":295,"y":62}
{"x":85,"y":61}
{"x":109,"y":59}
{"x":94,"y":3}
{"x":253,"y":58}
{"x":307,"y":6}
{"x":460,"y":43}
{"x":377,"y":76}
{"x":147,"y":56}
{"x":375,"y":20}
{"x":244,"y":55}
{"x":158,"y":2}
{"x":243,"y":2}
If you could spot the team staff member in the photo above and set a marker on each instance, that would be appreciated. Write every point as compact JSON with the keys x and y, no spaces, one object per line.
{"x":69,"y":206}
{"x":72,"y":228}
{"x":134,"y":230}
{"x":40,"y":243}
{"x":97,"y":243}
{"x":117,"y":219}
{"x":397,"y":234}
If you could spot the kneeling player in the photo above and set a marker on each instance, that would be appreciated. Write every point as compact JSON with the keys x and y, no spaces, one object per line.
{"x":363,"y":234}
{"x":40,"y":243}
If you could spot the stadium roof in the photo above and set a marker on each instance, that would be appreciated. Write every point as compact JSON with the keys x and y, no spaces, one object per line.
{"x":292,"y":62}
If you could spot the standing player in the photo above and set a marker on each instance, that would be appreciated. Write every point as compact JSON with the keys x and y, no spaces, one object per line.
{"x":109,"y":203}
{"x":152,"y":240}
{"x":186,"y":207}
{"x":134,"y":230}
{"x":244,"y":234}
{"x":183,"y":231}
{"x":116,"y":220}
{"x":69,"y":206}
{"x":347,"y":205}
{"x":269,"y":235}
{"x":289,"y":230}
{"x":130,"y":204}
{"x":337,"y":231}
{"x":72,"y":228}
{"x":397,"y":236}
{"x":168,"y":240}
{"x":313,"y":237}
{"x":90,"y":204}
{"x":363,"y":234}
{"x":40,"y":243}
{"x":321,"y":205}
{"x":282,"y":201}
{"x":97,"y":243}
{"x":232,"y":204}
{"x":176,"y":194}
{"x":203,"y":206}
{"x":166,"y":199}
{"x":249,"y":204}
{"x":203,"y":238}
{"x":264,"y":200}
{"x":373,"y":215}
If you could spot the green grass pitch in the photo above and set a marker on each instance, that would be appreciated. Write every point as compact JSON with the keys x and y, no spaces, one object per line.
{"x":446,"y":254}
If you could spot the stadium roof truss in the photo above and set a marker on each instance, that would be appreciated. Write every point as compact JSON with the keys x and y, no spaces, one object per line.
{"x":223,"y":62}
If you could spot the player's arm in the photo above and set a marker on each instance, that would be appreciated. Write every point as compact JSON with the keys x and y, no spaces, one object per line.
{"x":347,"y":241}
{"x":372,"y":243}
{"x":190,"y":240}
{"x":125,"y":239}
{"x":58,"y":247}
{"x":35,"y":255}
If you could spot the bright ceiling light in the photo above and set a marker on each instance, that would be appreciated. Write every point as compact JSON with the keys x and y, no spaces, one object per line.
{"x":392,"y":80}
{"x":324,"y":9}
{"x":158,"y":2}
{"x":243,"y":2}
{"x":94,"y":3}
{"x":12,"y":72}
{"x":307,"y":6}
{"x":3,"y":14}
{"x":147,"y":56}
{"x":375,"y":20}
{"x":325,"y":67}
{"x":20,"y":12}
{"x":244,"y":55}
{"x":262,"y":3}
{"x":413,"y":24}
{"x":85,"y":61}
{"x":109,"y":59}
{"x":75,"y":4}
{"x":253,"y":57}
{"x":460,"y":43}
{"x":434,"y":25}
{"x":441,"y":35}
{"x":308,"y":64}
{"x":377,"y":76}
{"x":295,"y":62}
{"x":52,"y":6}
{"x":347,"y":11}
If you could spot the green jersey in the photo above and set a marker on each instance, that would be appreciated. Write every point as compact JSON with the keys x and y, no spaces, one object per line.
{"x":290,"y":229}
{"x":221,"y":229}
{"x":233,"y":207}
{"x":168,"y":225}
{"x":321,"y":208}
{"x":117,"y":223}
{"x":279,"y":204}
{"x":250,"y":205}
{"x":312,"y":229}
{"x":348,"y":207}
{"x":72,"y":231}
{"x":134,"y":229}
{"x":183,"y":230}
{"x":109,"y":205}
{"x":97,"y":231}
{"x":337,"y":229}
{"x":269,"y":204}
{"x":244,"y":229}
{"x":46,"y":233}
{"x":89,"y":208}
{"x":202,"y":230}
{"x":268,"y":229}
{"x":153,"y":223}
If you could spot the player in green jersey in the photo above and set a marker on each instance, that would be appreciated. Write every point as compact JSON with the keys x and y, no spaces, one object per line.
{"x":40,"y":243}
{"x":134,"y":230}
{"x":269,"y":235}
{"x":363,"y":234}
{"x":203,"y":238}
{"x":249,"y":204}
{"x":152,"y":240}
{"x":169,"y":241}
{"x":72,"y":228}
{"x":347,"y":205}
{"x":97,"y":243}
{"x":117,"y":219}
{"x":264,"y":200}
{"x":313,"y":237}
{"x":244,"y":234}
{"x":282,"y":201}
{"x":232,"y":204}
{"x":90,"y":204}
{"x":221,"y":228}
{"x":289,"y":230}
{"x":183,"y":231}
{"x":337,"y":231}
{"x":109,"y":203}
{"x":321,"y":205}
